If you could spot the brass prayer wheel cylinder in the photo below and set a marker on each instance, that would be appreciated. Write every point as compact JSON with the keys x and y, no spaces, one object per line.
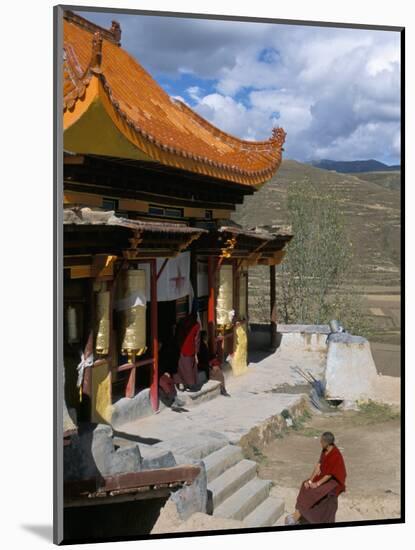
{"x":134,"y":315}
{"x":72,"y":325}
{"x":224,"y":304}
{"x":102,"y":341}
{"x":242,"y":295}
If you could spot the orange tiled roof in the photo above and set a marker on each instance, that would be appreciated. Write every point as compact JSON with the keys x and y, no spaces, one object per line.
{"x":168,"y":130}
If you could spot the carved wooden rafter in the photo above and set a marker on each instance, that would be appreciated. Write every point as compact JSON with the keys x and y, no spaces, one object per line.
{"x":226,"y":251}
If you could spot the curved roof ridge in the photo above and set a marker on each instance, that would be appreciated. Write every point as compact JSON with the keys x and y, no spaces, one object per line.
{"x":170,"y":148}
{"x":172,"y":133}
{"x":270,"y":142}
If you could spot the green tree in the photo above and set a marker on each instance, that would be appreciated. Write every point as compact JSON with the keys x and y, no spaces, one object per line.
{"x":317,"y":263}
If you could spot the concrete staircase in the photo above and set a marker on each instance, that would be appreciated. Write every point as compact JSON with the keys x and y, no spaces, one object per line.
{"x":236,"y":492}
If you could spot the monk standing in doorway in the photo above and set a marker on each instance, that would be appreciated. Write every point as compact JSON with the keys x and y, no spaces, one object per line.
{"x":188,"y":340}
{"x":317,"y":499}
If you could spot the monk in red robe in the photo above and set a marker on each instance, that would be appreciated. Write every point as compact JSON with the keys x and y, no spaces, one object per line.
{"x":188,"y":340}
{"x":210,"y":364}
{"x":317,"y":499}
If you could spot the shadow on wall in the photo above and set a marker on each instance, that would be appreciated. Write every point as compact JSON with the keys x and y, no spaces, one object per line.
{"x":259,"y":342}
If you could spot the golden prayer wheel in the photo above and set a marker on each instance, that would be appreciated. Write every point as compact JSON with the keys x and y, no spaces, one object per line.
{"x":134,"y":314}
{"x":72,"y":325}
{"x":224,"y":303}
{"x":239,"y":361}
{"x":242,"y":295}
{"x":102,"y":341}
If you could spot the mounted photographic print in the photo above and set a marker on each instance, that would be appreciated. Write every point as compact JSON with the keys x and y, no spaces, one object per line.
{"x":228,"y":275}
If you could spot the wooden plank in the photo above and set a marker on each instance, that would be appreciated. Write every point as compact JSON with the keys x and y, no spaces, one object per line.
{"x":128,"y":496}
{"x":102,"y":266}
{"x":149,"y":197}
{"x":81,"y":271}
{"x":132,"y":205}
{"x":151,"y":477}
{"x":87,"y":271}
{"x":128,"y":366}
{"x":87,"y":199}
{"x":132,"y":480}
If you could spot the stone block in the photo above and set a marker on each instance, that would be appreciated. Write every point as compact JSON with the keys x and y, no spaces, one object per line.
{"x":129,"y":409}
{"x":154,"y":457}
{"x":351,"y":373}
{"x":192,"y":498}
{"x":92,"y":454}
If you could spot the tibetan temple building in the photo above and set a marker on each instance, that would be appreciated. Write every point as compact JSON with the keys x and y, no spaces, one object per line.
{"x":149,"y":189}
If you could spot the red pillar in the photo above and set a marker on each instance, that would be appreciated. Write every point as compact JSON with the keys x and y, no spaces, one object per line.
{"x":211,"y":305}
{"x":130,"y":387}
{"x":273,"y":308}
{"x":154,"y":388}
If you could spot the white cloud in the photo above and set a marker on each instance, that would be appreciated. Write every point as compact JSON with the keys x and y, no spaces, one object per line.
{"x":384,"y":59}
{"x":194,"y":92}
{"x":335,"y":91}
{"x":367,"y":139}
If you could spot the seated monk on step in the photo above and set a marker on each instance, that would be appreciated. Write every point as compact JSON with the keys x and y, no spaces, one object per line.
{"x":210,"y":364}
{"x":167,"y":370}
{"x":317,"y":499}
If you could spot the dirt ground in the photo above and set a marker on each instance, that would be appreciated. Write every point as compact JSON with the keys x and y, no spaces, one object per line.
{"x":370,"y":443}
{"x":387,"y":358}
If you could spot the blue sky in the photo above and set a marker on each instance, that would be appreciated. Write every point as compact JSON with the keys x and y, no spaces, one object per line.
{"x":336,"y":92}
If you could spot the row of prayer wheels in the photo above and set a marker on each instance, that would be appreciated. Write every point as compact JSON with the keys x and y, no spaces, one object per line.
{"x":131,"y":306}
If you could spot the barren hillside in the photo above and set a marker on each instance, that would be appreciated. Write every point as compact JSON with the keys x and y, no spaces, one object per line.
{"x":372,"y":213}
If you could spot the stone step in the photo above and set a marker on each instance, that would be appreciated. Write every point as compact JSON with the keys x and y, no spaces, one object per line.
{"x":219,"y":461}
{"x":231,"y":480}
{"x":266,"y":514}
{"x":197,"y":445}
{"x":208,"y":391}
{"x":244,"y":501}
{"x":150,"y":456}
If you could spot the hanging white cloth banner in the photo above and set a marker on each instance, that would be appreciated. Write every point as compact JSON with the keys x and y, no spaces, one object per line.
{"x":86,"y":362}
{"x":174,"y":281}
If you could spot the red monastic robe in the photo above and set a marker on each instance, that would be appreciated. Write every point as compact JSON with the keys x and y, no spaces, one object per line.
{"x":333,"y":464}
{"x":319,"y":505}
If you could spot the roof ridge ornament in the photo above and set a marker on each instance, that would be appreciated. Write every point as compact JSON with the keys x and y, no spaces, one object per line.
{"x":96,"y":55}
{"x":278,"y":136}
{"x":113,"y":34}
{"x":116,"y":31}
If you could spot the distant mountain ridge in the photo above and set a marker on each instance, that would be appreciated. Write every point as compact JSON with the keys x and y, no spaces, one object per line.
{"x":352,"y":166}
